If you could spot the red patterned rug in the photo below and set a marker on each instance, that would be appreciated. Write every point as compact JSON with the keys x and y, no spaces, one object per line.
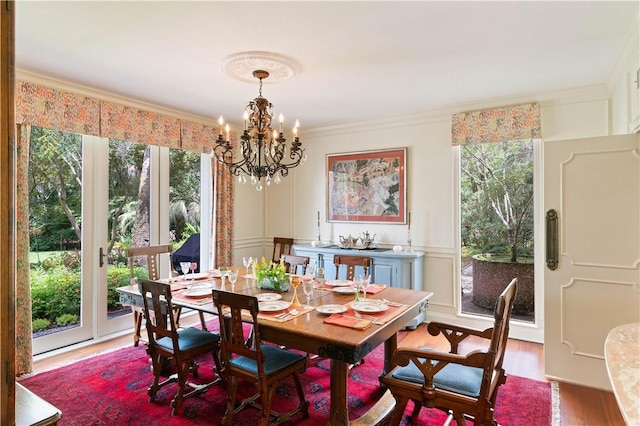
{"x":110,"y":389}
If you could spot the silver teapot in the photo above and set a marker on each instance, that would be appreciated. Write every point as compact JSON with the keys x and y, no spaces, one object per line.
{"x":348,"y":242}
{"x":367,"y":239}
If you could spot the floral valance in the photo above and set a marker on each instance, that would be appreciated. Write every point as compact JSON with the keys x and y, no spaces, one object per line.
{"x":54,"y":109}
{"x":70,"y":112}
{"x":502,"y":124}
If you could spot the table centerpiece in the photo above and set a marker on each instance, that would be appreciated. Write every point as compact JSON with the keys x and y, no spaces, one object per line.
{"x":272,"y":276}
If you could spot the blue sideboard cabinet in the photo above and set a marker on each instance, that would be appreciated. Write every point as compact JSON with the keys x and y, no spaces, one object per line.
{"x":395,"y":269}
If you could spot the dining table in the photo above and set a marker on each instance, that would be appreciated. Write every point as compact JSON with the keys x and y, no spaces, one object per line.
{"x":331,"y":323}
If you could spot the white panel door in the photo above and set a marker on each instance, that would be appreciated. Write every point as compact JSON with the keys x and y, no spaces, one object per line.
{"x":594,"y":186}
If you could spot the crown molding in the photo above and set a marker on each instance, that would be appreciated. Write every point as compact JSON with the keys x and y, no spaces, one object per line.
{"x":558,"y":97}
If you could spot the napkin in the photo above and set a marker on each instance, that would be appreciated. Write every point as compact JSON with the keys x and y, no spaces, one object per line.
{"x":347,"y":321}
{"x":375,"y":288}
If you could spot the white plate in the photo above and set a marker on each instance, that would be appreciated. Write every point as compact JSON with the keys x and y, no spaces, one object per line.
{"x":268,"y":297}
{"x":274,"y":306}
{"x":369,"y":307}
{"x":345,"y":290}
{"x":331,"y":309}
{"x":197,"y":292}
{"x":338,"y":283}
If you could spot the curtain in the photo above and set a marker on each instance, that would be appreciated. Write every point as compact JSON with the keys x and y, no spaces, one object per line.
{"x":59,"y":110}
{"x":502,"y":124}
{"x":223,"y":184}
{"x":23,"y":352}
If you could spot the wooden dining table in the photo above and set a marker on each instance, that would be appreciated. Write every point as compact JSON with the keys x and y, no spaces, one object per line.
{"x":309,"y":331}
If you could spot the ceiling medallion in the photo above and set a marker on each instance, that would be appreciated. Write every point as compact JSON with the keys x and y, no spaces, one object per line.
{"x":240,"y":66}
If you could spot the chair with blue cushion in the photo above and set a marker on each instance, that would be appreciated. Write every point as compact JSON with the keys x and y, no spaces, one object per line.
{"x":178,"y":347}
{"x":245,"y":357}
{"x":459,"y":384}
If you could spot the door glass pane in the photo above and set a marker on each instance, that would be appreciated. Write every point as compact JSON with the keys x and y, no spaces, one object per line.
{"x":55,"y":212}
{"x":496,"y":187}
{"x":184,"y":206}
{"x":128,"y":217}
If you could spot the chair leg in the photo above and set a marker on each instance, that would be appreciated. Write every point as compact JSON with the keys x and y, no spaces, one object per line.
{"x":182,"y":370}
{"x":265,"y":401}
{"x":156,"y":361}
{"x":304,"y":404}
{"x":398,"y":411}
{"x":416,"y":409}
{"x":203,"y":323}
{"x":232,"y":386}
{"x":137,"y":325}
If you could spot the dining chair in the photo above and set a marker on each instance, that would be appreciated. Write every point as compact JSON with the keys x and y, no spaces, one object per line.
{"x":152,"y":255}
{"x":459,"y":384}
{"x":245,"y":357}
{"x":292,"y":263}
{"x":351,"y":263}
{"x":178,"y":347}
{"x":281,"y":246}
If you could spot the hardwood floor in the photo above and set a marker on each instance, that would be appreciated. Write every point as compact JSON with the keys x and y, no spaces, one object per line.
{"x":579,"y":405}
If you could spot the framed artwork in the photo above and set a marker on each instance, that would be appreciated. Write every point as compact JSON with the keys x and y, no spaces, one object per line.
{"x":368,"y":186}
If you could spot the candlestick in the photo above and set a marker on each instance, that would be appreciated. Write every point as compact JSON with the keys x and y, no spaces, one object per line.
{"x":409,"y":221}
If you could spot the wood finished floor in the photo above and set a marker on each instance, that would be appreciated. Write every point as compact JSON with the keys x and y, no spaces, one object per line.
{"x":579,"y":405}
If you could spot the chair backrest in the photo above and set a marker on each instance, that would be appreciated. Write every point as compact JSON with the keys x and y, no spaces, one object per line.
{"x":236,"y":340}
{"x":281,"y":246}
{"x":292,"y":263}
{"x":501,"y":317}
{"x":153,"y":258}
{"x":158,"y":311}
{"x":351,"y":262}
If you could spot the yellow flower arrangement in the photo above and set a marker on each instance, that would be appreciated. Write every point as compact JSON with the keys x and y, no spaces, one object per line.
{"x":271,"y":275}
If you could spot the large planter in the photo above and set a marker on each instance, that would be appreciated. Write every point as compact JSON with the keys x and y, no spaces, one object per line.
{"x":490,"y":278}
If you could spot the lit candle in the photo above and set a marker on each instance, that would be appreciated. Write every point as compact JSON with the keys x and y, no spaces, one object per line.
{"x":227,"y":129}
{"x":297,"y":128}
{"x":221,"y":122}
{"x":281,"y":119}
{"x":295,"y":132}
{"x":246,"y":118}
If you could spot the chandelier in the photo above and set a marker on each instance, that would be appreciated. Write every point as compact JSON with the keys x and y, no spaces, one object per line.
{"x":263,"y":152}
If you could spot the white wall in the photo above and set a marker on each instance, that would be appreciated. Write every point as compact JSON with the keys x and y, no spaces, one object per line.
{"x":290,"y":209}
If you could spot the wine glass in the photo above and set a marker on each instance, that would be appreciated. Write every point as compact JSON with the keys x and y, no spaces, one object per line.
{"x":307,"y":287}
{"x":233,"y":276}
{"x":193,"y":266}
{"x":184,"y":267}
{"x":310,"y":272}
{"x":247,"y":261}
{"x":364,"y":283}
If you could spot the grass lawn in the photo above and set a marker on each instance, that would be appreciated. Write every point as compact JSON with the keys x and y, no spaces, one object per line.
{"x":37,"y":257}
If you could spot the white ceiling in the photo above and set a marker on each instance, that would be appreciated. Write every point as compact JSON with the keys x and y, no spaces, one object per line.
{"x":358,"y":60}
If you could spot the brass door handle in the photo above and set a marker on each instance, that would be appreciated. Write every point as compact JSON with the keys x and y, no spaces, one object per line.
{"x":552,"y":239}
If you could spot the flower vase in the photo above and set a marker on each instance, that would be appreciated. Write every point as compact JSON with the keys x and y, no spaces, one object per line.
{"x":273,"y":283}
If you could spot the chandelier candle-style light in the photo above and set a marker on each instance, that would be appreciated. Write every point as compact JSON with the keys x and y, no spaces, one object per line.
{"x":263,"y":151}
